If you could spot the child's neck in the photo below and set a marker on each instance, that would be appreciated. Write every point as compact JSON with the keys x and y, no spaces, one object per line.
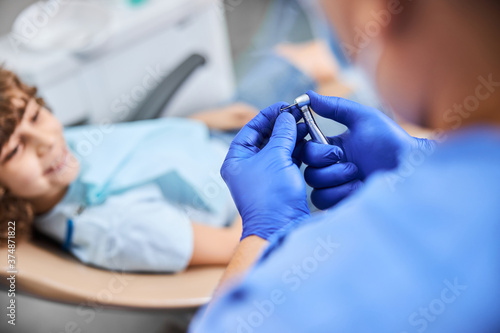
{"x":46,"y":203}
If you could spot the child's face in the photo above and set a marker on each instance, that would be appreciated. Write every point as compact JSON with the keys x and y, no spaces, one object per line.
{"x":35,"y":162}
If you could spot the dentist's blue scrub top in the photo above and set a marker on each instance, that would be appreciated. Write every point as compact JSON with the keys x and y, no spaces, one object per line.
{"x":417,"y":250}
{"x":140,"y":187}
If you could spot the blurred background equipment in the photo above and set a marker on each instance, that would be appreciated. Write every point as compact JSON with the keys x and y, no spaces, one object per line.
{"x":96,"y":61}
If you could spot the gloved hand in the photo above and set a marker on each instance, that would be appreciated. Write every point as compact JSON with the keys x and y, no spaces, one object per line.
{"x":372,"y":142}
{"x":266,"y":185}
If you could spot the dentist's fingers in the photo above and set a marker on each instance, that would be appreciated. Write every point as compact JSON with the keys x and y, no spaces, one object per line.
{"x":329,"y":197}
{"x":319,"y":155}
{"x":330,"y":176}
{"x":251,"y":137}
{"x":284,"y":134}
{"x":302,"y":132}
{"x":339,"y":109}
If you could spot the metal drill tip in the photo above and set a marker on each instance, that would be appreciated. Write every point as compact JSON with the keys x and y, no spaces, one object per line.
{"x":289,"y":107}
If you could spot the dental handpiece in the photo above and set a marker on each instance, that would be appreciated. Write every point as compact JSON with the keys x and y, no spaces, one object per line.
{"x":303,"y":102}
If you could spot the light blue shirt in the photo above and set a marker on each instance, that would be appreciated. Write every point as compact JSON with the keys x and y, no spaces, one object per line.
{"x":139,"y":188}
{"x":417,"y":250}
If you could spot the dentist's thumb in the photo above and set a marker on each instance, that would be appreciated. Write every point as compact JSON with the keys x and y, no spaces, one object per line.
{"x":284,"y":133}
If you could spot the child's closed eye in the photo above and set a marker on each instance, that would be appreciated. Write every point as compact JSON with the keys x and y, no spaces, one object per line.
{"x":37,"y":113}
{"x":11,"y":154}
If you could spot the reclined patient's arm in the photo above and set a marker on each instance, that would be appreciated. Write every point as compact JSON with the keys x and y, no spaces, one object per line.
{"x":214,"y":246}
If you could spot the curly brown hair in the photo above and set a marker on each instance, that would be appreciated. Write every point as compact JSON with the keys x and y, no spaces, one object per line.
{"x":11,"y":207}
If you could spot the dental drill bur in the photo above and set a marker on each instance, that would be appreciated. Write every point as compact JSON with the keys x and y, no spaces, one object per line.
{"x":303,"y":102}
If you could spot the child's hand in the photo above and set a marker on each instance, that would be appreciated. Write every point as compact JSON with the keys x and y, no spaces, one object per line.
{"x":232,"y":117}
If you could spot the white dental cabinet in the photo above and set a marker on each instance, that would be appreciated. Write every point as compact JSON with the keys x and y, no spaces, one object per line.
{"x":97,"y":76}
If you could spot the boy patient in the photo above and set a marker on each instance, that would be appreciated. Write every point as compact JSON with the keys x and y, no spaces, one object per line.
{"x":148,"y":197}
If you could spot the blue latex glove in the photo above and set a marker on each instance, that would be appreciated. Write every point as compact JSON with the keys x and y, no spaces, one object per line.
{"x":372,"y":142}
{"x":266,"y":185}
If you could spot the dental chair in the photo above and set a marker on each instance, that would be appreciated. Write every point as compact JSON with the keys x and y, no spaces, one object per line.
{"x":46,"y":271}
